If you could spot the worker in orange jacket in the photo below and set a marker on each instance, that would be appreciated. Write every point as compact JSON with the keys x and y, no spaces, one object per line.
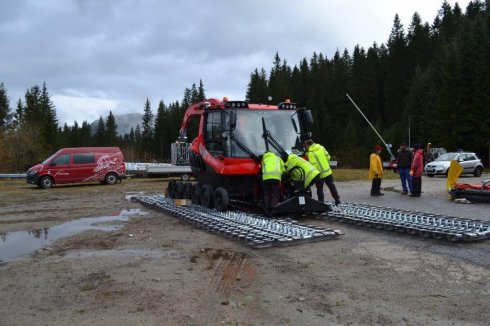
{"x":376,"y":171}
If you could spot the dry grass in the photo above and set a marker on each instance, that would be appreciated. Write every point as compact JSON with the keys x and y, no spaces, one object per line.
{"x":16,"y":187}
{"x":359,"y":174}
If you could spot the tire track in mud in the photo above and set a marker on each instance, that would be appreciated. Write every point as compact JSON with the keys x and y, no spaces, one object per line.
{"x":233,"y":267}
{"x":226,"y":273}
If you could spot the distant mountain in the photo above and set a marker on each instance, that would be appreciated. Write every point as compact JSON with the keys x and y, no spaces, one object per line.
{"x":124,"y":122}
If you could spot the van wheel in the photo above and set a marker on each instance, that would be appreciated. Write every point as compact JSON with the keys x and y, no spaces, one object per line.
{"x":110,"y":178}
{"x":221,"y":199}
{"x":45,"y":182}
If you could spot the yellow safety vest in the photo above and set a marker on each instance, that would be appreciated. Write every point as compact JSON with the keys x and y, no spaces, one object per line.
{"x":272,"y":166}
{"x":309,"y":170}
{"x":319,"y":158}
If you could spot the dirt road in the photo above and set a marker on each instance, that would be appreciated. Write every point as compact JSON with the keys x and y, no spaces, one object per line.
{"x":156,"y":270}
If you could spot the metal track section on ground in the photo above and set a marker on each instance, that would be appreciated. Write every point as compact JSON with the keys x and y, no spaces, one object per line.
{"x":254,"y":229}
{"x":415,"y":223}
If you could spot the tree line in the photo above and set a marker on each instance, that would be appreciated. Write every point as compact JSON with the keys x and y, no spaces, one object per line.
{"x":31,"y":132}
{"x":428,"y":83}
{"x":431,"y":79}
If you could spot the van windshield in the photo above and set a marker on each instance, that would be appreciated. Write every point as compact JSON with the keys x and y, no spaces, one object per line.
{"x":46,"y":161}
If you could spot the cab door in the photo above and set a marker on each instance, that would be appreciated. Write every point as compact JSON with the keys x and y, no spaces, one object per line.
{"x":59,"y":168}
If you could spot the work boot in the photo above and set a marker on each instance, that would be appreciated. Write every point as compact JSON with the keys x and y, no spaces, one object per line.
{"x":404,"y":192}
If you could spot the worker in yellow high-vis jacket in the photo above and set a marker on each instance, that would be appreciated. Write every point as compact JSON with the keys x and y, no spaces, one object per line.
{"x":300,"y":168}
{"x":272,"y":170}
{"x":320,"y":159}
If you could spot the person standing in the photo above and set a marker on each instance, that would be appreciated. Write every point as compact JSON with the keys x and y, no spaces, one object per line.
{"x":404,"y":161}
{"x":416,"y":171}
{"x":320,"y":159}
{"x":272,"y":170}
{"x":376,"y":171}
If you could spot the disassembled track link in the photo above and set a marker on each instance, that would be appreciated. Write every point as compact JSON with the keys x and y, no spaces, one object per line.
{"x":259,"y":231}
{"x":415,"y":223}
{"x":254,"y":229}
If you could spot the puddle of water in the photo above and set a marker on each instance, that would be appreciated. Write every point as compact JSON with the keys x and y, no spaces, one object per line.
{"x":14,"y":245}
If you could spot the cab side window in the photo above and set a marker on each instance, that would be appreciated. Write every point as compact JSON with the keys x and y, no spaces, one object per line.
{"x":212,"y":134}
{"x":84,"y":158}
{"x":62,"y":160}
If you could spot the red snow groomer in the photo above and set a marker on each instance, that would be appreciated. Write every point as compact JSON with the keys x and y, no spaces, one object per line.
{"x":225,"y":157}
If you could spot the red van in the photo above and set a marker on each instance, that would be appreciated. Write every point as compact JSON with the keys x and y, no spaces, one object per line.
{"x":79,"y":164}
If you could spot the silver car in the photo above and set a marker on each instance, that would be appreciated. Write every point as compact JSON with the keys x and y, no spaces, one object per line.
{"x":469,"y":161}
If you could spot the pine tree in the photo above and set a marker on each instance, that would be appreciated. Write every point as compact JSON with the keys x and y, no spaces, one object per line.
{"x":161,"y":127}
{"x":147,"y":131}
{"x":257,"y":91}
{"x":111,"y":130}
{"x":85,"y":134}
{"x":397,"y":73}
{"x":100,"y":133}
{"x":5,"y":114}
{"x":201,"y":93}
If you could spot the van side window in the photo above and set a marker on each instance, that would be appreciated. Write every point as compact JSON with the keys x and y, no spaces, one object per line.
{"x":62,"y":160}
{"x":84,"y":158}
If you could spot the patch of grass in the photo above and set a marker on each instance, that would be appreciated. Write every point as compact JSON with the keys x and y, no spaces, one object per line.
{"x":359,"y":174}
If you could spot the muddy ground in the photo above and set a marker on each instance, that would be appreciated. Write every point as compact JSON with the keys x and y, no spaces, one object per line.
{"x":156,"y":270}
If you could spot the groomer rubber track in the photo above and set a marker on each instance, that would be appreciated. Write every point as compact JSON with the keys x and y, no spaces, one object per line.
{"x":415,"y":223}
{"x":254,"y":229}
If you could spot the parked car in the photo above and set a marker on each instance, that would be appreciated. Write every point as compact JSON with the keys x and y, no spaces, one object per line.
{"x":79,"y":164}
{"x":469,"y":161}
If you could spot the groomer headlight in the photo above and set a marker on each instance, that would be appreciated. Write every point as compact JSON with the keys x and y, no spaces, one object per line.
{"x":236,"y":104}
{"x":287,"y":106}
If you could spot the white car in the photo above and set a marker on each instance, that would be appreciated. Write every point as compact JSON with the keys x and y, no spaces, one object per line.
{"x":469,"y":161}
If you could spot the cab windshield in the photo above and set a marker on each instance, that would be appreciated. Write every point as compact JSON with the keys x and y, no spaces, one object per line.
{"x":283,"y":125}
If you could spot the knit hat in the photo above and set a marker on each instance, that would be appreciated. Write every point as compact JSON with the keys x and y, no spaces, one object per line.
{"x":378,"y":148}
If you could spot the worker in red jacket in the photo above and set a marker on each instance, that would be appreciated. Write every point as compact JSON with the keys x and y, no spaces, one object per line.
{"x":416,"y":171}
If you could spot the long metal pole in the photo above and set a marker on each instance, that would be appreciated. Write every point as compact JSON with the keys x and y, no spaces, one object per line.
{"x":409,"y":135}
{"x":386,"y":145}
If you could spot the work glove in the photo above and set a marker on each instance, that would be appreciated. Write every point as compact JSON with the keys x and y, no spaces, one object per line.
{"x":411,"y":173}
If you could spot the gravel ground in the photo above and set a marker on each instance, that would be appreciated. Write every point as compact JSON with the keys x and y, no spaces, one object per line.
{"x":156,"y":270}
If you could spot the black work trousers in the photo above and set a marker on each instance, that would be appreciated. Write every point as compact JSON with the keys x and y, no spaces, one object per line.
{"x":376,"y":187}
{"x":331,"y":186}
{"x":417,"y":186}
{"x":271,"y":193}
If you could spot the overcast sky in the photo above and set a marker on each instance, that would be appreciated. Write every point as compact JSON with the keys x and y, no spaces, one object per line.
{"x":101,"y":55}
